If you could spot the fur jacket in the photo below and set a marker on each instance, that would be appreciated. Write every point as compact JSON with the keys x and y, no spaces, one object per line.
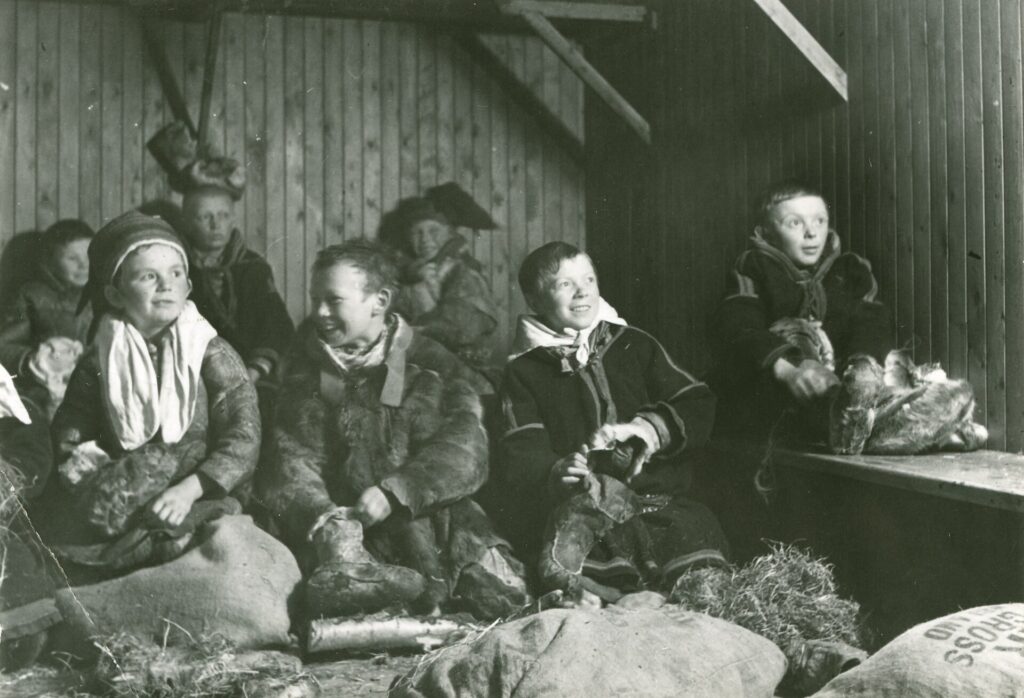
{"x":460,"y":313}
{"x":87,"y":509}
{"x":411,"y":426}
{"x":43,"y":308}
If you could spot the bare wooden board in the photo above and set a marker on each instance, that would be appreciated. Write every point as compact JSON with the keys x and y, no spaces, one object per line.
{"x":987,"y":478}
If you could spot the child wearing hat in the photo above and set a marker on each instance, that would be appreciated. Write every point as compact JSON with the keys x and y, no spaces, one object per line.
{"x":159,"y":425}
{"x":41,"y":333}
{"x":444,"y":294}
{"x":596,"y":416}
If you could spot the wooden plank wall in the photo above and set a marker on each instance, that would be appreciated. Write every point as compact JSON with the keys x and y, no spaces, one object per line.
{"x":923,"y":168}
{"x":335,"y":120}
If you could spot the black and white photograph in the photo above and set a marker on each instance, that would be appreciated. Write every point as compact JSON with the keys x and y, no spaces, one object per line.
{"x":512,"y":348}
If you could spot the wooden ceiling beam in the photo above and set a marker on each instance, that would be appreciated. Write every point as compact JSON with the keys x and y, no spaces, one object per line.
{"x":564,"y":49}
{"x":807,"y":45}
{"x":560,"y":9}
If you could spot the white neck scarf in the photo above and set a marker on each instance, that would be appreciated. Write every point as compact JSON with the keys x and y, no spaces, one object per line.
{"x":532,"y":333}
{"x":138,"y":401}
{"x":10,"y":402}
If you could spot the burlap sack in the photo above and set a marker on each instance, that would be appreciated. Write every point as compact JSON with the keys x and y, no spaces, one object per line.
{"x":977,"y":652}
{"x":612,"y":652}
{"x":236,"y":583}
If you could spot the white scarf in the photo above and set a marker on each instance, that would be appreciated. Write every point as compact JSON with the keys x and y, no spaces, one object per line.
{"x":531,"y":333}
{"x":10,"y":402}
{"x":138,"y":403}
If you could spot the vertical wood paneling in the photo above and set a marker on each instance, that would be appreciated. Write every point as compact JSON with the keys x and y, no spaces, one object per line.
{"x":923,"y":166}
{"x":334,"y":119}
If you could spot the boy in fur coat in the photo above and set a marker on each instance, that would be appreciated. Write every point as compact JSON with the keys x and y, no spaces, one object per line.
{"x":159,"y":425}
{"x":378,"y":422}
{"x":596,"y":416}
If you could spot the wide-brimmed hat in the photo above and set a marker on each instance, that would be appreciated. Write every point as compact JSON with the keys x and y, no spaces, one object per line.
{"x":446,"y":203}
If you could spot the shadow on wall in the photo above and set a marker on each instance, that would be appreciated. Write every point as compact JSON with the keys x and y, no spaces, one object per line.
{"x":18,"y":264}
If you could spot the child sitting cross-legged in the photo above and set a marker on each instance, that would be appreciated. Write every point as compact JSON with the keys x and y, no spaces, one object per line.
{"x":159,"y":425}
{"x":597,"y":414}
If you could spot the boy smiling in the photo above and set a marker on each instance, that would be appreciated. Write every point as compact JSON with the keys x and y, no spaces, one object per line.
{"x":580,"y":380}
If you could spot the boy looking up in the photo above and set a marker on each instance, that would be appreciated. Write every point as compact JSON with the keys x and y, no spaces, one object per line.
{"x":580,"y":382}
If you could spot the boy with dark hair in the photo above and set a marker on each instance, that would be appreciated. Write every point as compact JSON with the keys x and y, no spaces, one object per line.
{"x":596,"y":415}
{"x":380,"y":426}
{"x":795,"y":310}
{"x":41,"y":333}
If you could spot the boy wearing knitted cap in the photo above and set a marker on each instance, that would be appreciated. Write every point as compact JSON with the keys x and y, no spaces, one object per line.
{"x":159,"y":424}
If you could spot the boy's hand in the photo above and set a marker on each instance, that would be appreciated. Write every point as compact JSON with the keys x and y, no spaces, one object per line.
{"x":640,"y":429}
{"x":807,"y":381}
{"x":568,"y":472}
{"x":176,"y":502}
{"x":373,"y":506}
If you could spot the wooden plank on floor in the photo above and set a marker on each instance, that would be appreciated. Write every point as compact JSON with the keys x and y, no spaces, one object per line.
{"x":956,"y":185}
{"x":353,"y":115}
{"x":1013,"y":188}
{"x":26,"y":39}
{"x":294,"y":170}
{"x":372,"y":111}
{"x":313,"y":149}
{"x":255,"y":96}
{"x":47,"y":108}
{"x":974,"y":195}
{"x":8,"y":110}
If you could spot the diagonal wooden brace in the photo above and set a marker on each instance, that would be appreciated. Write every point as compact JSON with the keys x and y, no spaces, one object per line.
{"x":807,"y":45}
{"x":579,"y":65}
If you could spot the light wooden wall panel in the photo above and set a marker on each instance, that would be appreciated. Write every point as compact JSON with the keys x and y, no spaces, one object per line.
{"x":924,"y":169}
{"x":335,"y":120}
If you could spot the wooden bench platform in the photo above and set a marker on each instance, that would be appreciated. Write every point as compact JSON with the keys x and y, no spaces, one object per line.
{"x":986,"y":478}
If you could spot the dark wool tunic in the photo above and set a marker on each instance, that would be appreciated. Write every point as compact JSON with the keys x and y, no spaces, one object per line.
{"x":764,"y":286}
{"x":551,"y":412}
{"x":42,"y":309}
{"x":239,"y":299}
{"x":411,"y":426}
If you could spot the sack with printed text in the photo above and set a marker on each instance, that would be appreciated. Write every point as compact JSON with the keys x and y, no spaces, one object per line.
{"x":975,"y":652}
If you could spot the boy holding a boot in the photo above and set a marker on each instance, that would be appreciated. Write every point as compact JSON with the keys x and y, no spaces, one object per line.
{"x":378,"y":428}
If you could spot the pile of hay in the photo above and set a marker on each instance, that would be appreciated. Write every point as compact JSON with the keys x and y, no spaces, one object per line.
{"x":209,"y":667}
{"x":787,"y":596}
{"x":11,"y":485}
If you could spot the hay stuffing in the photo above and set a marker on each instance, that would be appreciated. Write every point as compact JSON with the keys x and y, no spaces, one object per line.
{"x":207,"y":667}
{"x":787,"y":596}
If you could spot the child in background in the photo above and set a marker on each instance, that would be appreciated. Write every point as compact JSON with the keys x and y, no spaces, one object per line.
{"x":41,"y":333}
{"x":159,"y":414}
{"x":791,"y":295}
{"x":597,"y":414}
